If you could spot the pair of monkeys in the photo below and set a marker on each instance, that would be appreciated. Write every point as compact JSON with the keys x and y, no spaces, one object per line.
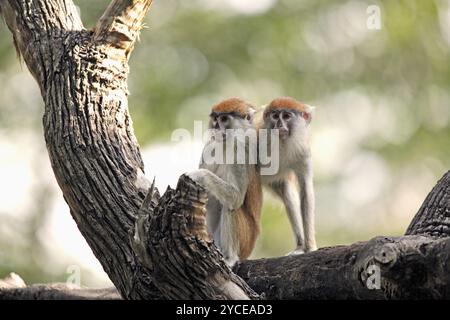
{"x":233,"y":210}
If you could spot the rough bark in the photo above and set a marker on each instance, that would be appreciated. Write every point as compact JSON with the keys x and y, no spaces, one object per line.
{"x":433,"y":217}
{"x":94,"y":154}
{"x":92,"y":149}
{"x":172,"y":242}
{"x":14,"y":288}
{"x":58,"y":291}
{"x":410,"y":267}
{"x":156,"y":247}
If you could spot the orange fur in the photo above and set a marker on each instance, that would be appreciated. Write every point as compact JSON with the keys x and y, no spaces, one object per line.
{"x":233,"y":105}
{"x":285,"y":103}
{"x":248,"y":217}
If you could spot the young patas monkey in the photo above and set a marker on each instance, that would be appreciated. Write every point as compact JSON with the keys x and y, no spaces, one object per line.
{"x":292,"y":118}
{"x":234,"y":189}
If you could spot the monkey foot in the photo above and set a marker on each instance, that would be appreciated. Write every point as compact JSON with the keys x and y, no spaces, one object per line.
{"x":296,"y":252}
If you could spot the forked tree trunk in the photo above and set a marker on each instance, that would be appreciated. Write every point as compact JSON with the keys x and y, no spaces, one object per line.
{"x":95,"y":156}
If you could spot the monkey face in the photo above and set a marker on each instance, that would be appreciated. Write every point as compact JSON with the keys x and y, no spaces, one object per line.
{"x":289,"y":116}
{"x":283,"y":120}
{"x":223,"y":123}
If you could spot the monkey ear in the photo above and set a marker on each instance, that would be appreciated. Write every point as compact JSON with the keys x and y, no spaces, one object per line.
{"x":308,"y":113}
{"x":250,"y":114}
{"x":261,"y":110}
{"x":263,"y":107}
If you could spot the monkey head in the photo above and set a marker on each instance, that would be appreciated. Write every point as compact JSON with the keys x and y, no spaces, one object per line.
{"x":230,"y":114}
{"x":288,"y":116}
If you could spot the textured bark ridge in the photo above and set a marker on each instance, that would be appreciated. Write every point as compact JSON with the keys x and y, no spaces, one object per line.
{"x":157,"y":247}
{"x":94,"y":154}
{"x":58,"y":291}
{"x":13,"y":287}
{"x":171,"y":241}
{"x":88,"y":132}
{"x":433,"y":218}
{"x":412,"y":267}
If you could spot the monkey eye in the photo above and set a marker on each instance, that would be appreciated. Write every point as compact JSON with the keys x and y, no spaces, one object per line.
{"x":275,"y":116}
{"x":286,"y":116}
{"x":223,"y":118}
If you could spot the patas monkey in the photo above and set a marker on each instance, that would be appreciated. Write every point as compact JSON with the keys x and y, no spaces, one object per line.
{"x":292,"y":118}
{"x":234,"y":189}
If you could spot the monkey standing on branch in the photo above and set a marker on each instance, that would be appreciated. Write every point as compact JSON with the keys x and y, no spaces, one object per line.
{"x":292,"y":118}
{"x":231,"y":179}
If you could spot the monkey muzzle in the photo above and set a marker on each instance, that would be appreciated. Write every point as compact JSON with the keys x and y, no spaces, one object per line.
{"x":220,"y":135}
{"x":283,"y":133}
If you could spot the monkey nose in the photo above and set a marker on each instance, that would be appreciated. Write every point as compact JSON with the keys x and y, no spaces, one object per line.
{"x":283,"y":132}
{"x":282,"y":128}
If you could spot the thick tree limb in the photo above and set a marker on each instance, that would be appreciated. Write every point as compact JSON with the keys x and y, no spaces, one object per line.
{"x":13,"y":288}
{"x":36,"y":26}
{"x":89,"y":136}
{"x":94,"y":153}
{"x":412,"y":267}
{"x":58,"y":291}
{"x":409,"y":267}
{"x":195,"y":268}
{"x":96,"y":160}
{"x":120,"y":24}
{"x":433,"y":218}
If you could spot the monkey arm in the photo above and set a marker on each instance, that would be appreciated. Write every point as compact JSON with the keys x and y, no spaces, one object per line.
{"x":230,"y":193}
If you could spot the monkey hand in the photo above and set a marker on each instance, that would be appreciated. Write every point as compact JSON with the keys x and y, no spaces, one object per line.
{"x":297,"y":251}
{"x":197,"y":176}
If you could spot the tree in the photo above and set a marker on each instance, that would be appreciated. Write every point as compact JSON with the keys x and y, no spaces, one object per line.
{"x":154,"y":246}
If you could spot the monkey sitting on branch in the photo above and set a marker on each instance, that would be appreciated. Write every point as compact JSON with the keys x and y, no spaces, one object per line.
{"x":229,"y":173}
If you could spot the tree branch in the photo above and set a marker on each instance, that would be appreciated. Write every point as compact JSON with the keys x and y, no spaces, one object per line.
{"x":433,"y":217}
{"x":13,"y":288}
{"x":35,"y":25}
{"x":58,"y":291}
{"x":120,"y":24}
{"x":89,"y":136}
{"x":98,"y":166}
{"x":172,"y":241}
{"x":411,"y":267}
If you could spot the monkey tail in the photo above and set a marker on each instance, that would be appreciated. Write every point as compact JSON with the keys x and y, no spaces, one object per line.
{"x":247,"y":218}
{"x":247,"y":232}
